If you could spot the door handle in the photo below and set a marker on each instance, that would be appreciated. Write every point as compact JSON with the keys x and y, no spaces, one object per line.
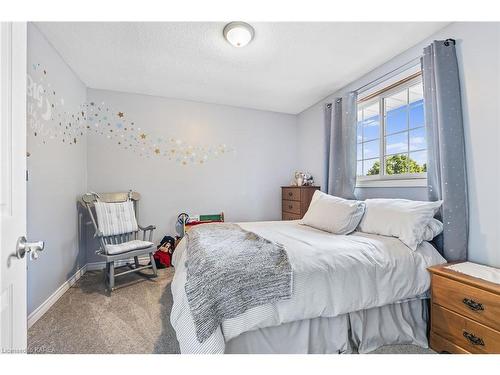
{"x":23,"y":247}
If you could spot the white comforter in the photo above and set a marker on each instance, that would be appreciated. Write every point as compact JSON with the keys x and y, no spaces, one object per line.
{"x":332,"y":275}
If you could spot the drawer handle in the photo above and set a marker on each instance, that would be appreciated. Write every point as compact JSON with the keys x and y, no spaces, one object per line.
{"x":473,"y":305}
{"x":474,"y":340}
{"x":290,"y":193}
{"x":290,"y":206}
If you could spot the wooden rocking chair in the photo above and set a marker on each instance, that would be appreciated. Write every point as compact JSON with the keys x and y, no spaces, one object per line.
{"x":116,"y":228}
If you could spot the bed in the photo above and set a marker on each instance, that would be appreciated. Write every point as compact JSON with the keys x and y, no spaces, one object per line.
{"x":351,"y":293}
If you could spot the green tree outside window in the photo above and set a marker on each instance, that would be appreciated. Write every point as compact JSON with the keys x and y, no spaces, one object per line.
{"x":398,"y":164}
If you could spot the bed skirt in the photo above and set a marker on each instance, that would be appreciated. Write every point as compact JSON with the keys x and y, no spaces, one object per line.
{"x":361,"y":331}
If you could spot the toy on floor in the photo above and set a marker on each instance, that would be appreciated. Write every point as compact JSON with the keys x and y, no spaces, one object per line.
{"x":163,"y":256}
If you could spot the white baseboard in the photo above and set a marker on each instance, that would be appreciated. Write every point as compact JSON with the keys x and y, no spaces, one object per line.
{"x":47,"y":304}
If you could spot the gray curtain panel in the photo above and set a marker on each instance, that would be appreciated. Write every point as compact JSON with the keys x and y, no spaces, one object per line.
{"x":340,"y":131}
{"x":446,"y":169}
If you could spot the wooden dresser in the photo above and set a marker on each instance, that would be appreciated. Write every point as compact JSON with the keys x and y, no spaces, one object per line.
{"x":295,"y":201}
{"x":465,"y":313}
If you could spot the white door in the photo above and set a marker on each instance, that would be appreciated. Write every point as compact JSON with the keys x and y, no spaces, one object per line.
{"x":13,"y":328}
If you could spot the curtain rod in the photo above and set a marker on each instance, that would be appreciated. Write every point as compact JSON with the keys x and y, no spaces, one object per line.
{"x":380,"y":78}
{"x":391,"y":86}
{"x":410,"y":63}
{"x":372,"y":83}
{"x":447,"y":42}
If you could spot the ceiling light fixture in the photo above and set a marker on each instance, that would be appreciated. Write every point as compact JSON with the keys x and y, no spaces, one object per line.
{"x":239,"y":34}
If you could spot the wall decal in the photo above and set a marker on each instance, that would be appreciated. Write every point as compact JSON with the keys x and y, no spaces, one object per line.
{"x":48,"y":120}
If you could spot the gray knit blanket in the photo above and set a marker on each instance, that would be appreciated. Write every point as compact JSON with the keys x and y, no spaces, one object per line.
{"x":230,"y":270}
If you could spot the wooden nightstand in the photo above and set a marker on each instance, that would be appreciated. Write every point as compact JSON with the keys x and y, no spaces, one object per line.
{"x":295,"y":201}
{"x":465,"y":313}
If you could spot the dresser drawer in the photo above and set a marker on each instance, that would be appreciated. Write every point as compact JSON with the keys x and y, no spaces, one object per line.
{"x":292,"y":194}
{"x":289,"y":216}
{"x":464,"y":332}
{"x":292,"y":207}
{"x":467,"y":300}
{"x":441,"y":345}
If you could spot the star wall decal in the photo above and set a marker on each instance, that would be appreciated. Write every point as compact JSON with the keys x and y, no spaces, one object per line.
{"x":55,"y":121}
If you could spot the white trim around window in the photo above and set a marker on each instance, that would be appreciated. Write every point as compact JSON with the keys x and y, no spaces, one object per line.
{"x":383,"y":179}
{"x":408,"y":180}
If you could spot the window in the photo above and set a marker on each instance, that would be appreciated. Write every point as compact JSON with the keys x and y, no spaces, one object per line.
{"x":391,"y":140}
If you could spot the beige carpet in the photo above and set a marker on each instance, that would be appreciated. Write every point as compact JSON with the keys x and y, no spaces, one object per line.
{"x":134,"y":319}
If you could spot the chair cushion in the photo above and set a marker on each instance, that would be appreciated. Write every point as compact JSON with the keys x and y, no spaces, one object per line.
{"x":128,"y":246}
{"x":116,"y":218}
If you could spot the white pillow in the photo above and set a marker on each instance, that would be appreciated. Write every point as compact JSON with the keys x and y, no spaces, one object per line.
{"x":433,"y":229}
{"x":333,"y":214}
{"x":400,"y":218}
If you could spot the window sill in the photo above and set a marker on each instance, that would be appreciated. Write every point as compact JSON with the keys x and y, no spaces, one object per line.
{"x":392,"y":183}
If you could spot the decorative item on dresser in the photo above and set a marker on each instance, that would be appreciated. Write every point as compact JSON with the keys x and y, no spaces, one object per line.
{"x":295,"y":201}
{"x":465,"y":312}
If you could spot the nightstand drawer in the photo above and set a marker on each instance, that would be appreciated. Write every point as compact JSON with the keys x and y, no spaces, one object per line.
{"x":441,"y":345}
{"x":466,"y":333}
{"x":290,"y":206}
{"x":467,"y":300}
{"x":289,"y":216}
{"x":292,"y":194}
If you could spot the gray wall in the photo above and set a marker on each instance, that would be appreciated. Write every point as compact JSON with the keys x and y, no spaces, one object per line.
{"x":245,"y":184}
{"x":57,"y":177}
{"x":478,"y":46}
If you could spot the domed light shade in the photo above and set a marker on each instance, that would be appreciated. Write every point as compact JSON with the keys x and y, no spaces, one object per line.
{"x":239,"y":34}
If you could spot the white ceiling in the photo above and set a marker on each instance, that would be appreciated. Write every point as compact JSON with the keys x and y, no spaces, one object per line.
{"x":287,"y":68}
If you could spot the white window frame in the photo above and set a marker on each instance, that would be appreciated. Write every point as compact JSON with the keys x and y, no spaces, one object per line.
{"x":383,"y":180}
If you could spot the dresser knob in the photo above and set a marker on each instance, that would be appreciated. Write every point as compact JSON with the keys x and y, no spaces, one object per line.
{"x":290,"y":206}
{"x":473,"y":305}
{"x":290,"y":193}
{"x":474,"y":340}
